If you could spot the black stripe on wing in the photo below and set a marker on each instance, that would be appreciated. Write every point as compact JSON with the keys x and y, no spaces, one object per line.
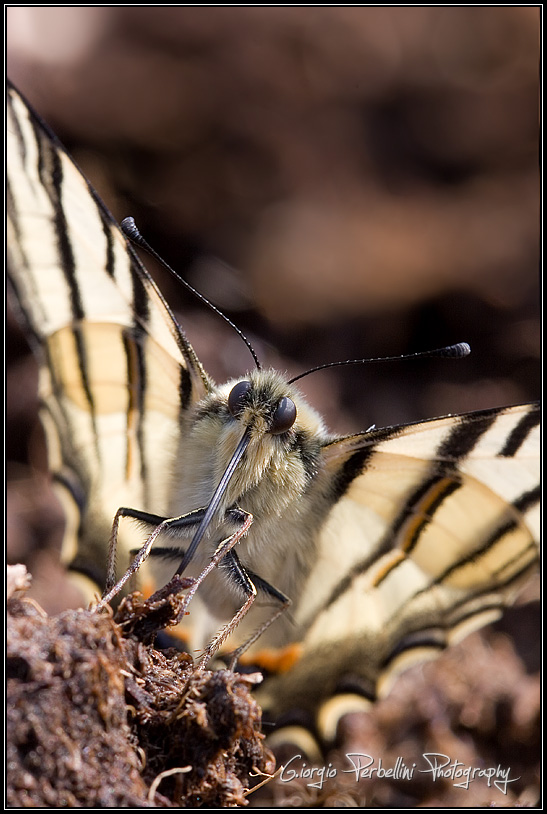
{"x":49,"y":170}
{"x":438,"y":484}
{"x":520,"y":433}
{"x":136,"y":373}
{"x":476,"y":603}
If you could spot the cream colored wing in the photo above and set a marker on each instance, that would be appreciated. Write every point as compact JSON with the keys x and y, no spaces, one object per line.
{"x":431,"y":530}
{"x":116,"y":372}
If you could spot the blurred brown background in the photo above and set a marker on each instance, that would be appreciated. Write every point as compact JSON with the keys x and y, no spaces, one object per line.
{"x":343,"y":182}
{"x":369,"y":176}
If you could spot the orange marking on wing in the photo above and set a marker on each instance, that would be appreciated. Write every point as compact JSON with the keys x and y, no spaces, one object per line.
{"x":275,"y":660}
{"x":148,"y":587}
{"x":423,"y":508}
{"x":178,"y":633}
{"x":398,"y":557}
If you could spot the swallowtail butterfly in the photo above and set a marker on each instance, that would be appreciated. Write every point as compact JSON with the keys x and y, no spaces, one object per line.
{"x":390,"y":543}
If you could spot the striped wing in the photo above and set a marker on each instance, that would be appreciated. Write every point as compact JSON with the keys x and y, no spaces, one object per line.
{"x":103,"y":333}
{"x":433,"y":529}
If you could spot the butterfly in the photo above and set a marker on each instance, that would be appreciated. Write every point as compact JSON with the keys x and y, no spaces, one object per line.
{"x":389,"y":544}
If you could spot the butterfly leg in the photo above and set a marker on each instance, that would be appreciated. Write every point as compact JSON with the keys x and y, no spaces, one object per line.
{"x":248,"y":583}
{"x":222,"y":550}
{"x":159,"y":525}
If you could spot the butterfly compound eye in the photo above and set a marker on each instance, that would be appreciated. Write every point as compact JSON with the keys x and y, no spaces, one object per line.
{"x":237,"y":397}
{"x":284,"y":416}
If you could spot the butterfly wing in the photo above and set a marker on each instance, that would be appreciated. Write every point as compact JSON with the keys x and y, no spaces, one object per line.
{"x":103,"y":334}
{"x":432,"y":529}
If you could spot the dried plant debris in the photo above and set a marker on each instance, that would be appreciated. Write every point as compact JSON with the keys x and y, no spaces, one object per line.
{"x":98,"y":718}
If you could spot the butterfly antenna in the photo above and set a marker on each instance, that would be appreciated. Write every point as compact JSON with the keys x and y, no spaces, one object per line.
{"x":130,"y":230}
{"x":456,"y":351}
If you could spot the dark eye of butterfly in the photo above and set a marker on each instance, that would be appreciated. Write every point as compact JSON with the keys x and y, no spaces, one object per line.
{"x":283,"y":417}
{"x":236,"y":399}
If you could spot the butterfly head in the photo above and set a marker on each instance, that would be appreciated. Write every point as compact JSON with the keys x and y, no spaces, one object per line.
{"x":267,"y":422}
{"x":263,"y":444}
{"x":269,"y":409}
{"x":262,"y":405}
